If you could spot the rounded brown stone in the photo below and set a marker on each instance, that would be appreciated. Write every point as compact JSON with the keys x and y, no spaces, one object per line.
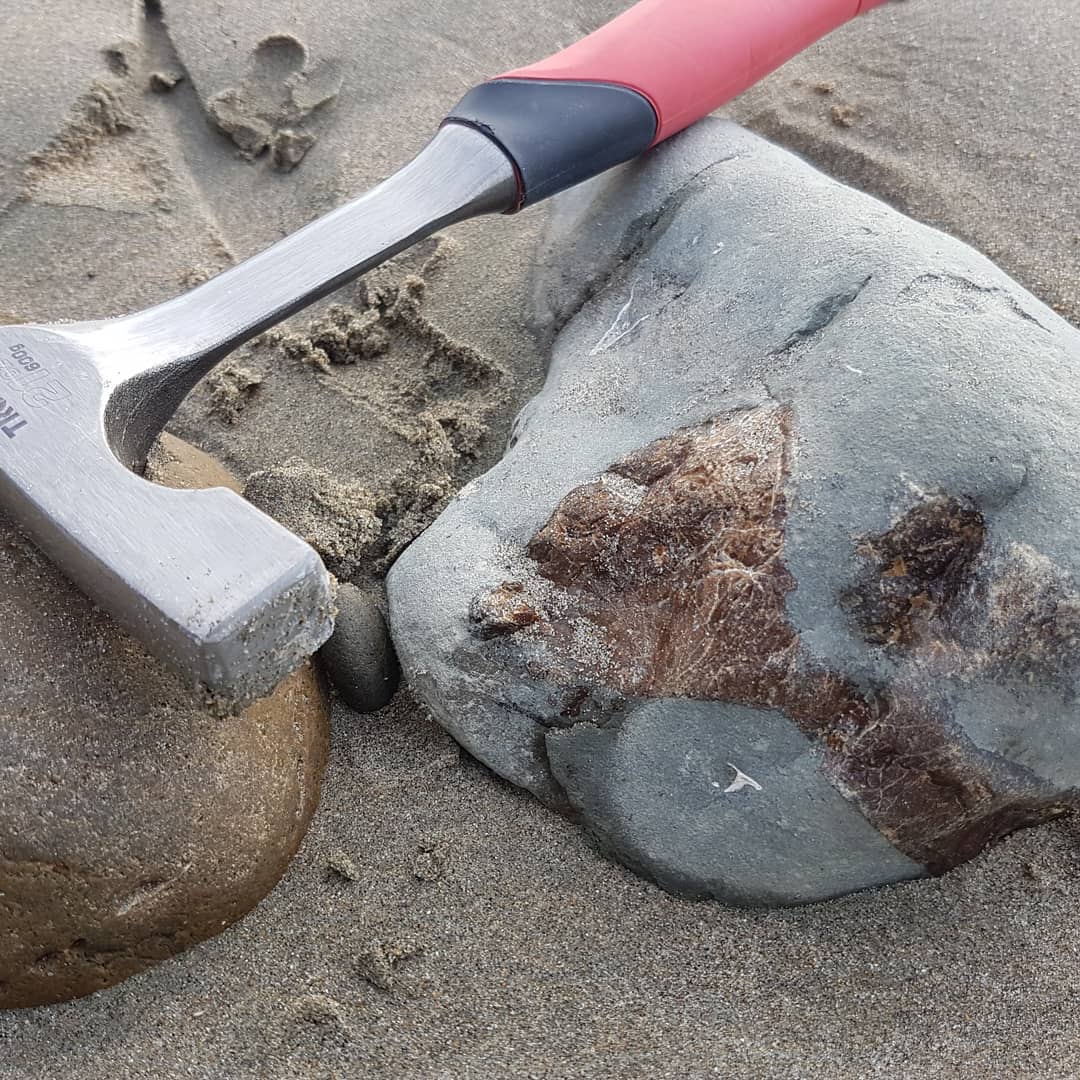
{"x":133,"y":823}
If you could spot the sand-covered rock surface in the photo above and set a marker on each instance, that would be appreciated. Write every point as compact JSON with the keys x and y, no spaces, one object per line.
{"x":437,"y":921}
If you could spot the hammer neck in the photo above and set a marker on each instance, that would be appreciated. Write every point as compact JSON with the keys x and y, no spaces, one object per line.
{"x":150,"y":360}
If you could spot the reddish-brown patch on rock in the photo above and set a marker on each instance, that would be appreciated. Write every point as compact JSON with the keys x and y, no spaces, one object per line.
{"x":931,"y":589}
{"x":1025,"y":616}
{"x":675,"y":553}
{"x":501,"y":611}
{"x":671,"y":583}
{"x":919,"y":569}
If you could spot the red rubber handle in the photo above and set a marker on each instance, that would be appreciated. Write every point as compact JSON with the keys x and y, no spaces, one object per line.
{"x":689,"y":57}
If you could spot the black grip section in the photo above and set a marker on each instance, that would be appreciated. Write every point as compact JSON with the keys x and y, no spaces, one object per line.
{"x":559,"y":133}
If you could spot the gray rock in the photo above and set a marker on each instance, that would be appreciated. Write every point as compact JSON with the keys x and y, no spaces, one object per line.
{"x":360,"y":657}
{"x":775,"y":587}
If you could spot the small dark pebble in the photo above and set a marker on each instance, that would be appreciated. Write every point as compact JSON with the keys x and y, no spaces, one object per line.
{"x":360,"y":657}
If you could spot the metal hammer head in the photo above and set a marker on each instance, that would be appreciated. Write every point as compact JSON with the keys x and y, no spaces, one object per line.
{"x":218,"y":590}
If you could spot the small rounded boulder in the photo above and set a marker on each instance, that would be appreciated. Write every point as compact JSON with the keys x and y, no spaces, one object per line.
{"x":133,"y":822}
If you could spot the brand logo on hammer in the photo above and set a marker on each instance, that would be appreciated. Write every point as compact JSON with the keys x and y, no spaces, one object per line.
{"x":10,"y":420}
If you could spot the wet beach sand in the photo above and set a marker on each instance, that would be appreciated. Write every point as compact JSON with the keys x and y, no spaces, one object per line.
{"x":480,"y":935}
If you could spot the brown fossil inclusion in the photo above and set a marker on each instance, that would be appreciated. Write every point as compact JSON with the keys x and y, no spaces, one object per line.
{"x":670,"y":577}
{"x":501,"y":611}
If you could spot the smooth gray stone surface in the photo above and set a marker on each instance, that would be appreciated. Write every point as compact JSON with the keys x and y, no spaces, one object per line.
{"x":722,"y":273}
{"x":359,"y":657}
{"x":692,"y":774}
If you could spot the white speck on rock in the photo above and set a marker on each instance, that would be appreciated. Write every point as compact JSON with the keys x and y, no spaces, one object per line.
{"x":741,"y":781}
{"x":619,"y":328}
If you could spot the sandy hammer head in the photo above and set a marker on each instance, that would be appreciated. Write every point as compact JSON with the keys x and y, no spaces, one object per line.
{"x":219,"y":591}
{"x":222,"y":593}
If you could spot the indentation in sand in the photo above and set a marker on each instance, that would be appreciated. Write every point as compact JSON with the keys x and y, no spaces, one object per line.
{"x":281,"y":90}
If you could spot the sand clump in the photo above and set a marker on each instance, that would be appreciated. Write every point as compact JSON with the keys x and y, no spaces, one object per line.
{"x":342,"y":336}
{"x":342,"y":864}
{"x":101,"y":112}
{"x":381,"y":962}
{"x":844,"y":115}
{"x":336,"y":517}
{"x":380,"y":373}
{"x":231,"y":387}
{"x":322,"y":1016}
{"x":162,"y":82}
{"x":288,"y":148}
